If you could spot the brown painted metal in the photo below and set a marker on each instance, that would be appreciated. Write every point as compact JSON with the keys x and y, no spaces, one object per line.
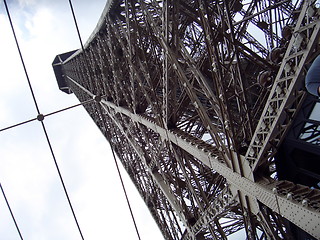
{"x":181,"y":104}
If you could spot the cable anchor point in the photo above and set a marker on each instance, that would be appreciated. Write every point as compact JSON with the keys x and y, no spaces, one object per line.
{"x":40,"y":117}
{"x":97,"y":98}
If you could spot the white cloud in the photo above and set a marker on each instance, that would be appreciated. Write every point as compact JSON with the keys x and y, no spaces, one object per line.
{"x":9,"y":57}
{"x":27,"y":171}
{"x":24,"y":3}
{"x":40,"y":25}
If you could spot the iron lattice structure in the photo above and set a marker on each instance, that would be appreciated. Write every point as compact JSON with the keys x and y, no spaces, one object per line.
{"x":195,"y":97}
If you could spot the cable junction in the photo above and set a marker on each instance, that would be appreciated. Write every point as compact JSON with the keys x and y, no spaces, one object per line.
{"x":40,"y":117}
{"x":45,"y":115}
{"x":98,"y":99}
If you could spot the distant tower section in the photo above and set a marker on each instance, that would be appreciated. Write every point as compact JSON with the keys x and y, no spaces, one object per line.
{"x":58,"y":71}
{"x":204,"y":104}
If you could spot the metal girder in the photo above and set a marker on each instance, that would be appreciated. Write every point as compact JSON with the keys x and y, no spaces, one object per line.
{"x":177,"y":96}
{"x":263,"y":192}
{"x":222,"y":203}
{"x":273,"y":124}
{"x":135,"y":162}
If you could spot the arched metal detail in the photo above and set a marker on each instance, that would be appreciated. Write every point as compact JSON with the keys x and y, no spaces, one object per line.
{"x":196,"y":97}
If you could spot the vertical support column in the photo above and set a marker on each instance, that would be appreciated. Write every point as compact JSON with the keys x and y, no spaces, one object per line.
{"x":165,"y":64}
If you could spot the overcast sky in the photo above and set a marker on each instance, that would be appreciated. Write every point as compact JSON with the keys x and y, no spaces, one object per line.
{"x":27,"y":172}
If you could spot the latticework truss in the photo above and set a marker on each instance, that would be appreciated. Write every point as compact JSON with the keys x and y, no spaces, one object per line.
{"x":194,"y":97}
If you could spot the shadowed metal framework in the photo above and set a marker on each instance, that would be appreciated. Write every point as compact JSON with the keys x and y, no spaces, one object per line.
{"x":196,"y":97}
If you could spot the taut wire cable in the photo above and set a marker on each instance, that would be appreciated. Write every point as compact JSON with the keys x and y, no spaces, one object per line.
{"x":20,"y":54}
{"x":46,"y":115}
{"x":114,"y":157}
{"x":75,"y":22}
{"x":13,"y":218}
{"x":125,"y":192}
{"x":40,"y":118}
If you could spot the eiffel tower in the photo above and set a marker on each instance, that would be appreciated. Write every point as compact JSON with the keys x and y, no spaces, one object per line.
{"x":204,"y":104}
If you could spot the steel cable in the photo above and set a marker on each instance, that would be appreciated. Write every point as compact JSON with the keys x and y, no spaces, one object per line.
{"x":40,"y":118}
{"x":125,"y":192}
{"x":45,"y":115}
{"x":114,"y":157}
{"x":13,"y":218}
{"x":75,"y":22}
